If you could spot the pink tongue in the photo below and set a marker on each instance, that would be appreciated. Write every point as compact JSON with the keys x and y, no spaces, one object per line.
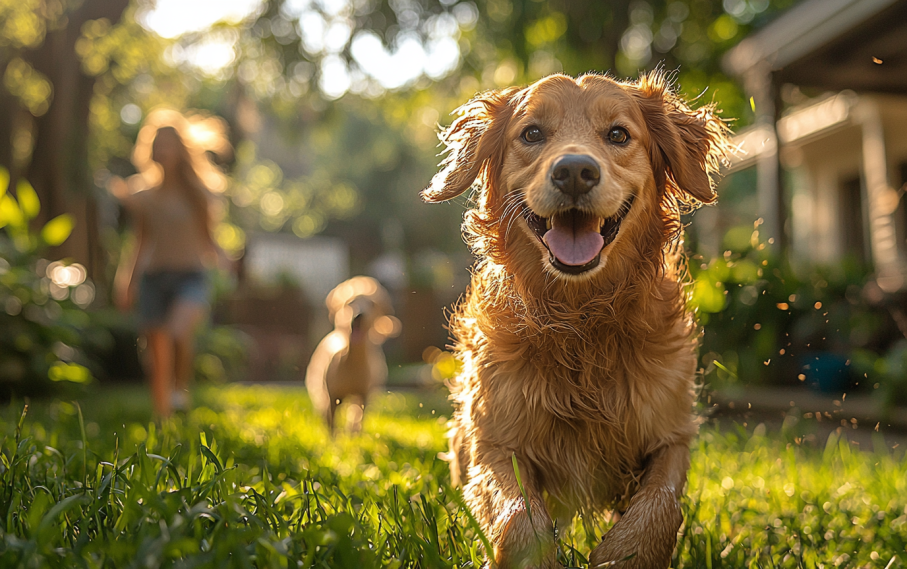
{"x":573,"y":242}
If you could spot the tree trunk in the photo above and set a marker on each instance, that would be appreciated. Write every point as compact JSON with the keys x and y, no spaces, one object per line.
{"x":59,"y":165}
{"x":9,"y":106}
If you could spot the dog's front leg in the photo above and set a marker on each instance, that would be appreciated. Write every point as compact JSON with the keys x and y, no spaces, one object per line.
{"x":522,"y":535}
{"x":645,"y":536}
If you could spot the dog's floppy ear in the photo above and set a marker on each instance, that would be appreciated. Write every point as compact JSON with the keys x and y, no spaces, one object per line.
{"x":385,"y":327}
{"x":335,"y":300}
{"x":348,"y":290}
{"x":687,"y":145}
{"x":474,"y":137}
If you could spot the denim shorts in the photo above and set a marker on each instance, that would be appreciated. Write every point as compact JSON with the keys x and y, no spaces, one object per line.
{"x":160,"y":291}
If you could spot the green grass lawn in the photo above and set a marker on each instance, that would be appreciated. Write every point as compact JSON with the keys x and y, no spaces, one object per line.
{"x":250,"y":479}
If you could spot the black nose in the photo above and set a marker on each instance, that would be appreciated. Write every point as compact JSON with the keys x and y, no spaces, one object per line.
{"x":575,"y":174}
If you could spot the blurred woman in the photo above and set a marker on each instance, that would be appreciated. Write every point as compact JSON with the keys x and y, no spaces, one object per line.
{"x":170,"y":202}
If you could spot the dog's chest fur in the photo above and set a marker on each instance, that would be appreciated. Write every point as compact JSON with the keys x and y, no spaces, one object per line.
{"x":356,"y":370}
{"x":583,"y":400}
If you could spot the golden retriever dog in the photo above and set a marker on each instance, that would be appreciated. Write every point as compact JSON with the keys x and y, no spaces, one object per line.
{"x":578,"y":351}
{"x":349,"y":362}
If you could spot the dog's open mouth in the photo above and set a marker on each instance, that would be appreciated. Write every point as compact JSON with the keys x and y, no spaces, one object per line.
{"x":574,"y":238}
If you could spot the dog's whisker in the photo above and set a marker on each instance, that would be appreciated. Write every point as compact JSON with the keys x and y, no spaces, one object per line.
{"x":509,"y":204}
{"x":510,"y":223}
{"x":511,"y":210}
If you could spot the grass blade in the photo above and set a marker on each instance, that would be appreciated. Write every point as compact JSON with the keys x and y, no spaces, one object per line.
{"x":519,"y":481}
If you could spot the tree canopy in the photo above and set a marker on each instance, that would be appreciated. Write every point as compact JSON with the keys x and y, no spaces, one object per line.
{"x":333,"y":103}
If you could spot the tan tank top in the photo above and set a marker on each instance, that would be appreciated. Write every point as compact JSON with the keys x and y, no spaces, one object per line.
{"x":174,"y":237}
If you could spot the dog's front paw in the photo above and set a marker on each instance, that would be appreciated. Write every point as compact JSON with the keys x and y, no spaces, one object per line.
{"x":524,"y":542}
{"x":645,"y":536}
{"x":524,"y":564}
{"x":545,"y":564}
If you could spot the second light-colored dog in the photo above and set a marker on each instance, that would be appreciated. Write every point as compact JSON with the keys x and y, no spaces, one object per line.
{"x":349,"y":362}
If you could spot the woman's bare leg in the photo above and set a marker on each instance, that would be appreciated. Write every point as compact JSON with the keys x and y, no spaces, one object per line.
{"x":160,"y":346}
{"x":183,"y":323}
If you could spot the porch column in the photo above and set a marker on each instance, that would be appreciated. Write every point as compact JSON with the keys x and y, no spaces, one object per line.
{"x":768,"y":189}
{"x":881,"y":197}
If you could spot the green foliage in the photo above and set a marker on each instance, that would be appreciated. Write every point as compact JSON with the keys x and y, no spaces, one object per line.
{"x":57,"y":230}
{"x":31,"y":87}
{"x":28,"y":204}
{"x":251,"y":479}
{"x":504,"y":42}
{"x":764,"y":321}
{"x":23,"y":23}
{"x":304,"y":204}
{"x":16,"y":212}
{"x":223,"y":353}
{"x":889,"y":370}
{"x":128,"y":62}
{"x":43,"y":326}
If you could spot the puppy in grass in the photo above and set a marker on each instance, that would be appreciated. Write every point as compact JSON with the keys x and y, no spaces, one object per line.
{"x":578,"y":351}
{"x":349,"y":362}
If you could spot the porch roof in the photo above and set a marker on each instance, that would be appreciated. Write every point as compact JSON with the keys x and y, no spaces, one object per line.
{"x":831,"y":44}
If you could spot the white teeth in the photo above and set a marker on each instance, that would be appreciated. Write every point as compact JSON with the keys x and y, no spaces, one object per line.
{"x":601,"y":223}
{"x":547,"y":223}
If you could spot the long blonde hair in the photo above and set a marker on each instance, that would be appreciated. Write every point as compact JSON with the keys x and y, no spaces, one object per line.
{"x":197,"y":134}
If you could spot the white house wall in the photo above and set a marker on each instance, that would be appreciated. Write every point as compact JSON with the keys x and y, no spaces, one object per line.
{"x":819,"y":166}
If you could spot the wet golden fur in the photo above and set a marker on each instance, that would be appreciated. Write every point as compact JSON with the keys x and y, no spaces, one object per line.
{"x":588,"y":380}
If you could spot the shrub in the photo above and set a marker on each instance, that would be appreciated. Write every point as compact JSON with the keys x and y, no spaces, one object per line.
{"x":223,"y":354}
{"x":767,"y":322}
{"x":43,"y":324}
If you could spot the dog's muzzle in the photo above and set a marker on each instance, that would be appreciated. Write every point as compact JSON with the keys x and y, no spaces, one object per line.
{"x":574,"y":238}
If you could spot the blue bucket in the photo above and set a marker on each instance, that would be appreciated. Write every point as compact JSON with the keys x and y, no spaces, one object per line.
{"x":826,"y":372}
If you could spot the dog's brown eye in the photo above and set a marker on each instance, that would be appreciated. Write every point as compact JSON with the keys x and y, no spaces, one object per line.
{"x":533,"y":134}
{"x":618,"y":135}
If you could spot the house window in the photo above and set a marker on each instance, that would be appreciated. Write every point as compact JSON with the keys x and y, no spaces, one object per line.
{"x":853,"y":243}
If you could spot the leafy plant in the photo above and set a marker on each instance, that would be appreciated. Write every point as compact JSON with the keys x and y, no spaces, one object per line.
{"x":43,"y":325}
{"x":887,"y":372}
{"x":223,"y":353}
{"x":766,"y":322}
